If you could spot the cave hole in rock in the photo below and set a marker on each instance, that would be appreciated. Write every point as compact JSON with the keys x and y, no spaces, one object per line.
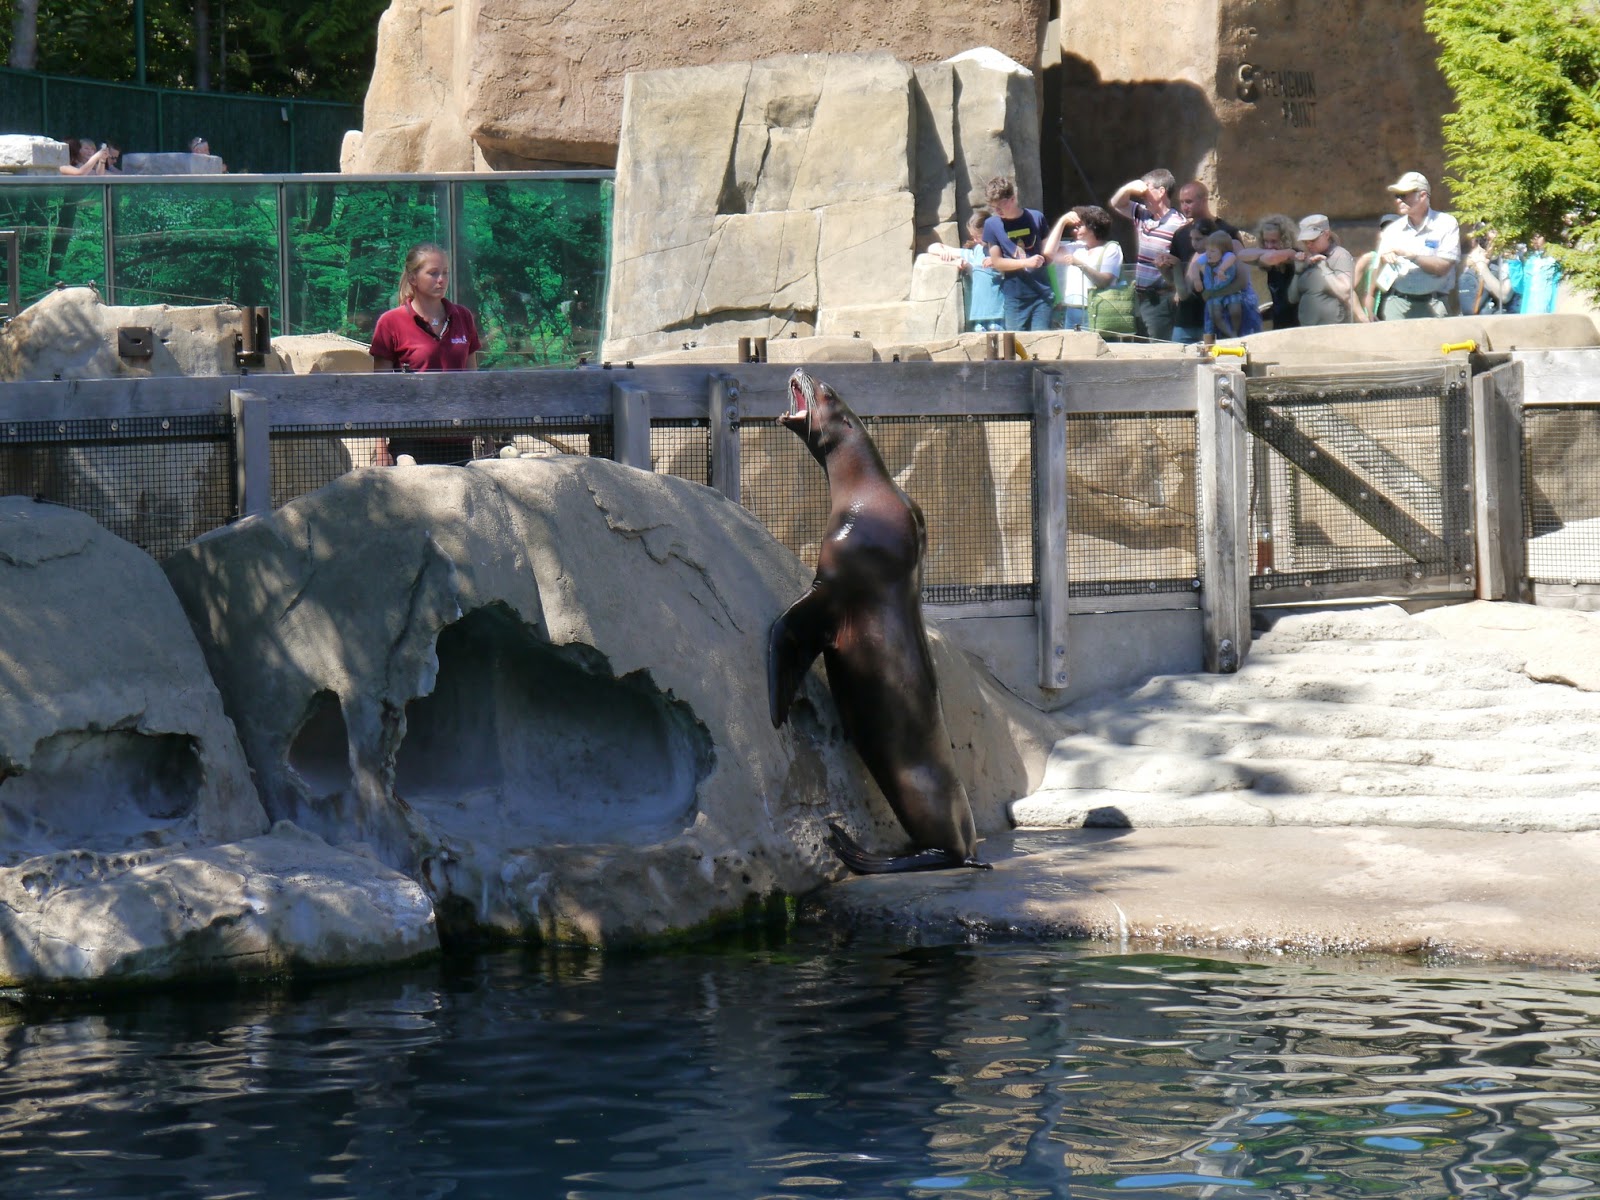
{"x":101,"y":790}
{"x":524,"y":743}
{"x":320,"y":751}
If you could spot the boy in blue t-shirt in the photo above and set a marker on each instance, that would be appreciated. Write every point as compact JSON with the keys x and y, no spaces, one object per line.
{"x":1014,"y":236}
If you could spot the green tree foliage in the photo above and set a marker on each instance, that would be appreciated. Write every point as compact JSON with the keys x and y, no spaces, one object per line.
{"x":1523,"y":146}
{"x":317,"y":49}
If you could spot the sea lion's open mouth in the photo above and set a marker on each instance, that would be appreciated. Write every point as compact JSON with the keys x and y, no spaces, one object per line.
{"x":798,"y":414}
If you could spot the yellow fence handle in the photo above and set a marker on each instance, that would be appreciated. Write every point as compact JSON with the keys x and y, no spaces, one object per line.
{"x":1219,"y":351}
{"x":1468,"y":346}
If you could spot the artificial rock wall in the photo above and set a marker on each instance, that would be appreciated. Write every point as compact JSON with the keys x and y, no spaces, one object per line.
{"x":788,"y":196}
{"x":519,"y":84}
{"x":1281,"y":105}
{"x":1278,"y":105}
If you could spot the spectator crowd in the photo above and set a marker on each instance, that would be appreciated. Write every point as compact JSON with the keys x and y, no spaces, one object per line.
{"x":85,"y":157}
{"x":1194,"y":274}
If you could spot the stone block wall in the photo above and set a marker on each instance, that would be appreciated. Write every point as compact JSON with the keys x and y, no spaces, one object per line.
{"x":790,"y":195}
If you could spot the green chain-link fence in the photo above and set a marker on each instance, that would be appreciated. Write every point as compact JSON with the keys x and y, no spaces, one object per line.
{"x":250,"y":133}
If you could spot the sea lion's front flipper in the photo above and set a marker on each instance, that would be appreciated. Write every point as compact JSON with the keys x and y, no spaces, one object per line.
{"x":864,"y":862}
{"x":795,"y":640}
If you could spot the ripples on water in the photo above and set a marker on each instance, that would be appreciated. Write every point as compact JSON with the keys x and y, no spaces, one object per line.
{"x":815,"y":1069}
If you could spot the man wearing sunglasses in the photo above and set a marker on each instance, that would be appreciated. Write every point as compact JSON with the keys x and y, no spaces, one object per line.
{"x":1419,"y":253}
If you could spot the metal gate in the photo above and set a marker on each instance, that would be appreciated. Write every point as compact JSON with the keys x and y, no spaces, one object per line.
{"x":1361,"y":483}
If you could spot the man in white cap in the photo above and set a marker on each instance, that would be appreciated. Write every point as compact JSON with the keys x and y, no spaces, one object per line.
{"x":1324,"y":275}
{"x":1419,"y":253}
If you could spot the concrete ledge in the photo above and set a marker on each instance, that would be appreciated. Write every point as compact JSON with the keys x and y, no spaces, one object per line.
{"x":1441,"y":893}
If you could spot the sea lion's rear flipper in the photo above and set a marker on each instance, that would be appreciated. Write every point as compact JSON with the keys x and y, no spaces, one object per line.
{"x":795,"y":640}
{"x":863,"y":862}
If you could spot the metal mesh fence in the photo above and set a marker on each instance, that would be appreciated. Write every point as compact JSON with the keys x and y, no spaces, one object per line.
{"x":682,"y":448}
{"x":972,"y":477}
{"x":1131,"y":497}
{"x":159,"y":482}
{"x":1561,"y":493}
{"x":1358,"y":484}
{"x":306,"y":457}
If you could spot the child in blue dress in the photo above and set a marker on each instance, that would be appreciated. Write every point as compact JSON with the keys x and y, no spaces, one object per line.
{"x":986,"y":307}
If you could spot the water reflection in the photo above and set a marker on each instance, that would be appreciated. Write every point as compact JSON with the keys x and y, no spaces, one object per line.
{"x":816,"y":1069}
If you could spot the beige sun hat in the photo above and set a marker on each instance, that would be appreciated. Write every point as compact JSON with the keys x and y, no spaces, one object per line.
{"x":1313,"y":226}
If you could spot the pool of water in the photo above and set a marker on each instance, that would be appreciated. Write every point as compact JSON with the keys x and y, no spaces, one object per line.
{"x":817,"y":1067}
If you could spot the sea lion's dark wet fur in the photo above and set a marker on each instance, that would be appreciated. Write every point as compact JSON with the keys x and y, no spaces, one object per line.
{"x":863,"y":614}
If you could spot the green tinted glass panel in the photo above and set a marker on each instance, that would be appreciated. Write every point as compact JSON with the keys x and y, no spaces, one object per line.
{"x":196,"y":244}
{"x":532,"y":267}
{"x":347,"y":247}
{"x":60,"y":235}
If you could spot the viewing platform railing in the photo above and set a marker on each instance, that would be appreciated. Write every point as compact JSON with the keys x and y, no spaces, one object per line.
{"x":1051,"y":491}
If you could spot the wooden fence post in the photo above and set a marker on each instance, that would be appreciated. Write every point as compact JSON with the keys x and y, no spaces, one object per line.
{"x":252,"y":445}
{"x":724,"y":413}
{"x":1050,"y":509}
{"x":1224,"y":515}
{"x":1497,"y":483}
{"x":630,"y":425}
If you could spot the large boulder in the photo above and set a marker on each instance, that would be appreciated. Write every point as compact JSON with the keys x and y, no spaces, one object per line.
{"x":111,"y":732}
{"x":173,"y":163}
{"x":130,"y":829}
{"x":71,"y":333}
{"x":258,"y":908}
{"x":513,"y":84}
{"x":27,"y":154}
{"x":412,"y":120}
{"x":538,"y":686}
{"x":790,"y":195}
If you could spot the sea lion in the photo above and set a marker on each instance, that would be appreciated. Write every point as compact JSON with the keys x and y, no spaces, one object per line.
{"x":863,"y":614}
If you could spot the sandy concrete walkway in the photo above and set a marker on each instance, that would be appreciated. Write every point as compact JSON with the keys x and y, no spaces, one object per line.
{"x":1370,"y":781}
{"x":1514,"y":897}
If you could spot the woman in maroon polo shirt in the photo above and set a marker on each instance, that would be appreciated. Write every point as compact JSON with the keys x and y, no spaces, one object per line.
{"x":426,"y":332}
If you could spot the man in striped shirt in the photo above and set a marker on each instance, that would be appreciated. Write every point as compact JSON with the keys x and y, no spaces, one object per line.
{"x":1146,"y":203}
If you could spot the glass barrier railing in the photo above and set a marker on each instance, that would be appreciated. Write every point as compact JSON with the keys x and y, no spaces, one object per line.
{"x":528,"y":249}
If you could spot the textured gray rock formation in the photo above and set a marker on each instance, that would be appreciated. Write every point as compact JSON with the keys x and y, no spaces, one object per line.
{"x":172,"y":163}
{"x":25,"y":154}
{"x":111,"y":734}
{"x":129,"y":823}
{"x":320,"y":353}
{"x":1476,"y":717}
{"x":72,"y":334}
{"x":281,"y":902}
{"x":789,"y":195}
{"x":539,"y":687}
